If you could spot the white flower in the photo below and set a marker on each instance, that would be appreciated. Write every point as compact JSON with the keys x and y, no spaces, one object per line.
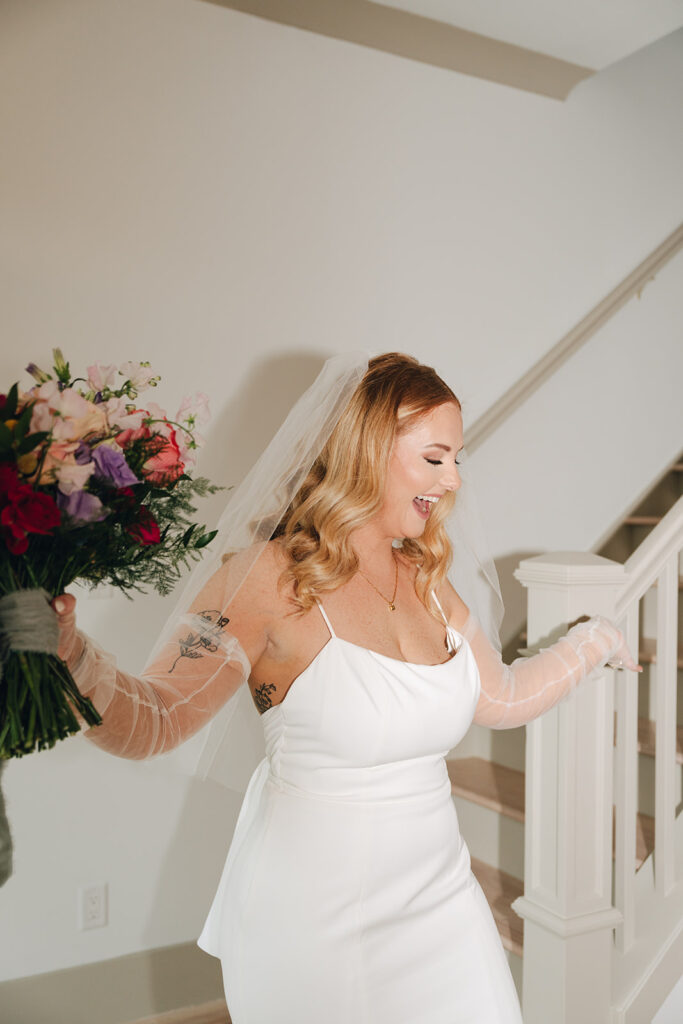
{"x":73,"y":477}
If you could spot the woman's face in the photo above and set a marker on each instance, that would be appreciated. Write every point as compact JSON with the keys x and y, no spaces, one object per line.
{"x":422,"y":468}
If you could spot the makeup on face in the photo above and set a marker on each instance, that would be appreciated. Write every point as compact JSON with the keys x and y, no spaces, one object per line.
{"x":423,"y":468}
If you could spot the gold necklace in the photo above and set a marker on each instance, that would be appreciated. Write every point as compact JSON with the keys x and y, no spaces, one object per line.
{"x":390,"y":604}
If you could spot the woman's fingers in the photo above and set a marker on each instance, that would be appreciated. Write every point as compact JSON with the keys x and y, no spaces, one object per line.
{"x":64,"y":604}
{"x":623,"y":659}
{"x":65,"y":608}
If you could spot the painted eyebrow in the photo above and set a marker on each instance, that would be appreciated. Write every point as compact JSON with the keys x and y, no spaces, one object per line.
{"x":445,"y":447}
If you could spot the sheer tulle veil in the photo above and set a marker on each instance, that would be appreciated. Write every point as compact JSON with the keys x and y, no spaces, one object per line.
{"x":230,"y":746}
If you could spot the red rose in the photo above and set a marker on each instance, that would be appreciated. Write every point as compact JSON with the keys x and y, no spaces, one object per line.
{"x":9,"y":480}
{"x":126,"y":437}
{"x":165,"y":465}
{"x":146,"y":530}
{"x":15,"y":538}
{"x":27,"y":511}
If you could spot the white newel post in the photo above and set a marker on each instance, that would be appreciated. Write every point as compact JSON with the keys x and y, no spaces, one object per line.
{"x":567,"y":902}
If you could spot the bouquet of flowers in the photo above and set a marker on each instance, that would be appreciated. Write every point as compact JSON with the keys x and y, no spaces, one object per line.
{"x":93,"y":488}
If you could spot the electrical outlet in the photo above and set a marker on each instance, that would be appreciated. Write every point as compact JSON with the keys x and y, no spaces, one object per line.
{"x":92,"y":906}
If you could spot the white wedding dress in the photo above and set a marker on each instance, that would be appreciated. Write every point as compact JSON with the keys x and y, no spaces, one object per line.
{"x":347,"y":896}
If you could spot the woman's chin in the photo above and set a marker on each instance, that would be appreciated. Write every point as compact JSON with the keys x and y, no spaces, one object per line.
{"x":414,"y":532}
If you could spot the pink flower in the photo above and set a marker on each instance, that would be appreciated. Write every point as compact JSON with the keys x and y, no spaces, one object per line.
{"x":139,"y":374}
{"x":119,"y":416}
{"x":194,"y":409}
{"x":188,"y":446}
{"x":67,"y":414}
{"x":58,"y":453}
{"x":92,"y":424}
{"x":101,"y":376}
{"x":155,"y":412}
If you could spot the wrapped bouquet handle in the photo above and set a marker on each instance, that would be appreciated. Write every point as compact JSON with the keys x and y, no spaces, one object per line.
{"x":27,"y":623}
{"x":36,"y":706}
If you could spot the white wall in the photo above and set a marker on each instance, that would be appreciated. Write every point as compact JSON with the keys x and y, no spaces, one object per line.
{"x":233,"y":200}
{"x":671,"y":1011}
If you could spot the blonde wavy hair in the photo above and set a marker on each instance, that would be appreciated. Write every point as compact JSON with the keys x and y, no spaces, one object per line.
{"x":345,"y":485}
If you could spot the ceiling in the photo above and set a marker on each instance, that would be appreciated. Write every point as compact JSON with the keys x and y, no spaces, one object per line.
{"x":591,"y":33}
{"x":541,"y":46}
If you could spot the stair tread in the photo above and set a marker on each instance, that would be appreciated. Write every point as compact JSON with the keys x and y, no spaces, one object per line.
{"x":646,"y":738}
{"x":214,"y":1012}
{"x":502,"y":789}
{"x":501,"y":890}
{"x":490,"y":784}
{"x":643,"y":520}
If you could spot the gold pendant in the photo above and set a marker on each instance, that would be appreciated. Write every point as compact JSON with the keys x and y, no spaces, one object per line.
{"x":392,"y":607}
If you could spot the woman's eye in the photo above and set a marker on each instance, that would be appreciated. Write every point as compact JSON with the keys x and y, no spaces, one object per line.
{"x":434,"y":462}
{"x":457,"y":463}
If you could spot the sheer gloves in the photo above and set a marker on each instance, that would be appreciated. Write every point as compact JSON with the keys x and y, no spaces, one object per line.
{"x":512,"y":695}
{"x":193,"y":676}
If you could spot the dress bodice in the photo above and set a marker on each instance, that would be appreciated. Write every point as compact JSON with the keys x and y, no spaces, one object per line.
{"x":357,"y":724}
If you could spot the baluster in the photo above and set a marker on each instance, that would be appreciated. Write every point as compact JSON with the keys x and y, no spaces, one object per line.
{"x":626,"y":788}
{"x":665,"y":728}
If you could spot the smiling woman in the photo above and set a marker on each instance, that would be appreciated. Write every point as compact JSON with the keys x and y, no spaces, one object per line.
{"x":347,"y":892}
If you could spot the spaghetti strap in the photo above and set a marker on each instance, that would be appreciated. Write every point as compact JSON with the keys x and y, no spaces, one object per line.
{"x":452,"y":644}
{"x":438,"y":605}
{"x":324,"y":615}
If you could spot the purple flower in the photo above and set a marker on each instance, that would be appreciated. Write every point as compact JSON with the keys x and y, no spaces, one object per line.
{"x":82,"y":454}
{"x":112,"y":467}
{"x":81,"y":506}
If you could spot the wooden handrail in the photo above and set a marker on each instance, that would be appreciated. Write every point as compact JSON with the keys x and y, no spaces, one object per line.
{"x":522,"y":389}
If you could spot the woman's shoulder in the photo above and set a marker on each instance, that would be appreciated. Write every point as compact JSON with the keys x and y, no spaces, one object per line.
{"x":455,"y":609}
{"x":254,"y":572}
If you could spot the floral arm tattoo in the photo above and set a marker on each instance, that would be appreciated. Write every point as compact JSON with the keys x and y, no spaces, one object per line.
{"x":262,"y":697}
{"x":204,"y":639}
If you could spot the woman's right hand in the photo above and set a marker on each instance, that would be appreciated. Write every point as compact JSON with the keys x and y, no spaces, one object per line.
{"x":70,"y":644}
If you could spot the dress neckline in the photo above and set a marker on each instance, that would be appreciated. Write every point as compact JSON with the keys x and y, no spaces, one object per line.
{"x":368,"y":650}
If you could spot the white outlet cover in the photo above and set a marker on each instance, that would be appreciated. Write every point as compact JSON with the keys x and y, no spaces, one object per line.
{"x":92,"y":906}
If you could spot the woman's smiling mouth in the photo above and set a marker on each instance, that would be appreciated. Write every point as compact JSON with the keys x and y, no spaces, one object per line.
{"x":424,"y":503}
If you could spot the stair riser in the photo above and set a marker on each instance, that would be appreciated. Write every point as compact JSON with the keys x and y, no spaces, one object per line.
{"x":492,"y":837}
{"x":502,"y":746}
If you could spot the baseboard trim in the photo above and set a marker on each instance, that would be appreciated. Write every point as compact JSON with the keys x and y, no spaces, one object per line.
{"x":151,"y":983}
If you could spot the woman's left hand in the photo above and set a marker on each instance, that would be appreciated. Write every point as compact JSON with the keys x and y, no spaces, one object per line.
{"x":622,"y":658}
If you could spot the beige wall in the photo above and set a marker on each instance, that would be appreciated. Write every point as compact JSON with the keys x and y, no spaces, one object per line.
{"x":234,"y":200}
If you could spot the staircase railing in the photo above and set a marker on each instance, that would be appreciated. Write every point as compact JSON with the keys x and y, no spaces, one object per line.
{"x":598,"y":930}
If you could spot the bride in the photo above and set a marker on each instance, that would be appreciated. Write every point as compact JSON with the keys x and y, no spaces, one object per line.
{"x":347,"y":893}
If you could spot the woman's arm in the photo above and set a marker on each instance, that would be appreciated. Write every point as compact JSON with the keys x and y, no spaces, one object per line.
{"x":198,"y":669}
{"x":512,"y":695}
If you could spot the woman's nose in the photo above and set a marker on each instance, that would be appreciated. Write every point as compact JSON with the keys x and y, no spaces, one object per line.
{"x":451,"y":479}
